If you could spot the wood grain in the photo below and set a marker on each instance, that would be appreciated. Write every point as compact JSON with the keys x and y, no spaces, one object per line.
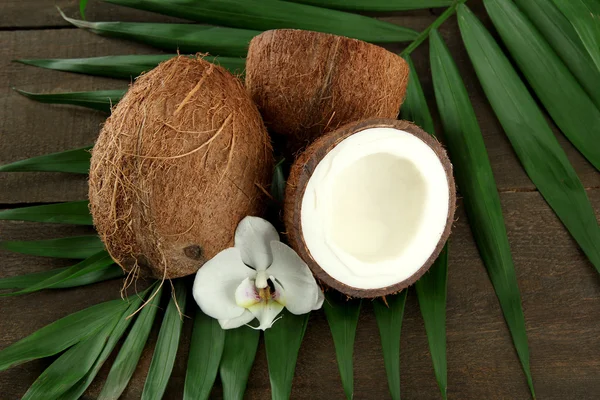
{"x":560,"y":289}
{"x":20,"y":14}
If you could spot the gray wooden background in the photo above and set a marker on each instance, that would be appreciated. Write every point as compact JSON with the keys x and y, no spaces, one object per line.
{"x":560,"y":289}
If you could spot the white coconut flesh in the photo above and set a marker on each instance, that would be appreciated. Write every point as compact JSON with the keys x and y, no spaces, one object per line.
{"x":375,"y":208}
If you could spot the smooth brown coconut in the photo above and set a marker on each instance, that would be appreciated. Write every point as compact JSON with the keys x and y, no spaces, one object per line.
{"x":307,"y":83}
{"x":178,"y":164}
{"x":400,"y":176}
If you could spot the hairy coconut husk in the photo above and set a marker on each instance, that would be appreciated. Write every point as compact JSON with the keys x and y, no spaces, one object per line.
{"x":178,"y":164}
{"x":302,"y":170}
{"x":307,"y":83}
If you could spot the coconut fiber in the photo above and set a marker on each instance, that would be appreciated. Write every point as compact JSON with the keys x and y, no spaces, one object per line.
{"x":181,"y":160}
{"x":307,"y":83}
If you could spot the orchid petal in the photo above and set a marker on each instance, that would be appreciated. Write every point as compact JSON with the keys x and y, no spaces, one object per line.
{"x":233,"y":323}
{"x":246,"y":294}
{"x":279,"y":294}
{"x":320,"y":299}
{"x":216,"y":283}
{"x":252,"y":237}
{"x":299,"y":286}
{"x":266,"y":312}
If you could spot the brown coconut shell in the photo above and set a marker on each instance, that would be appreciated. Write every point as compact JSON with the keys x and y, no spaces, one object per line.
{"x":178,"y":164}
{"x":302,"y":170}
{"x":307,"y":83}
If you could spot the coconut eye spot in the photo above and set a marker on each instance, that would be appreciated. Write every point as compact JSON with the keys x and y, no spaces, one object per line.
{"x":379,"y":203}
{"x":193,"y":251}
{"x":375,"y":208}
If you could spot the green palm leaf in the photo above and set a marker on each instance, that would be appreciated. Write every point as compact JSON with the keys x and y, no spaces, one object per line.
{"x":584,"y":15}
{"x":73,"y":212}
{"x":531,"y":137}
{"x":566,"y":101}
{"x":342,"y":316}
{"x":187,"y":38}
{"x":476,"y":182}
{"x":165,"y":351}
{"x":94,"y":265}
{"x":61,"y":334}
{"x":68,"y":247}
{"x":131,"y":351}
{"x":431,"y":292}
{"x":101,"y":100}
{"x":432,"y":287}
{"x":436,"y":24}
{"x":389,"y":314}
{"x":278,"y":182}
{"x":282,"y":342}
{"x":73,"y":280}
{"x":559,"y":32}
{"x":71,"y":366}
{"x":123,"y":323}
{"x":275,"y":14}
{"x":237,"y":359}
{"x":124,"y":67}
{"x":75,"y":161}
{"x":376,"y":5}
{"x":206,"y":349}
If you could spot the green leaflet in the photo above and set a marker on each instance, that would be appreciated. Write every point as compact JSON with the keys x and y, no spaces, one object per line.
{"x":476,"y":182}
{"x":25,"y":281}
{"x":436,"y":24}
{"x":165,"y":351}
{"x":129,"y":355}
{"x":95,"y":264}
{"x":68,"y":247}
{"x":206,"y":349}
{"x":275,"y":14}
{"x":101,"y":100}
{"x":431,"y":292}
{"x":71,"y":366}
{"x":123,"y":323}
{"x":584,"y":15}
{"x":76,"y":161}
{"x":82,"y":6}
{"x":237,"y":359}
{"x":432,"y":287}
{"x":278,"y":182}
{"x":125,"y":67}
{"x":282,"y":342}
{"x":559,"y":32}
{"x":73,"y":212}
{"x":376,"y":5}
{"x":342,"y":316}
{"x":566,"y":102}
{"x":531,"y":137}
{"x":415,"y":107}
{"x":186,"y":38}
{"x":62,"y":334}
{"x":389,"y":321}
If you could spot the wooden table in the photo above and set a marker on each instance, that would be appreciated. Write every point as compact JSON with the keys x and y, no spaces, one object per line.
{"x":560,"y":288}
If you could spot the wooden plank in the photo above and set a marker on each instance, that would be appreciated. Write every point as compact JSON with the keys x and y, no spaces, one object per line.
{"x":561,"y":299}
{"x":19,"y":14}
{"x":28,"y":128}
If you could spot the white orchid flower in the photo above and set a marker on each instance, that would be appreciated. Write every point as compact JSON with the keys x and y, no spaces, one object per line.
{"x":255,"y":279}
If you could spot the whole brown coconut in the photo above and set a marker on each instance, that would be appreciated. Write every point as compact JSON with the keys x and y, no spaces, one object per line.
{"x":367,"y":183}
{"x":307,"y":83}
{"x":178,"y":164}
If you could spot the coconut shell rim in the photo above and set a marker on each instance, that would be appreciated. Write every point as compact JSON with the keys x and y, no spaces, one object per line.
{"x":301,"y":173}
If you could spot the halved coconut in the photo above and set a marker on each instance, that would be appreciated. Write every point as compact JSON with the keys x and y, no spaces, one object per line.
{"x":309,"y":83}
{"x":369,"y":206}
